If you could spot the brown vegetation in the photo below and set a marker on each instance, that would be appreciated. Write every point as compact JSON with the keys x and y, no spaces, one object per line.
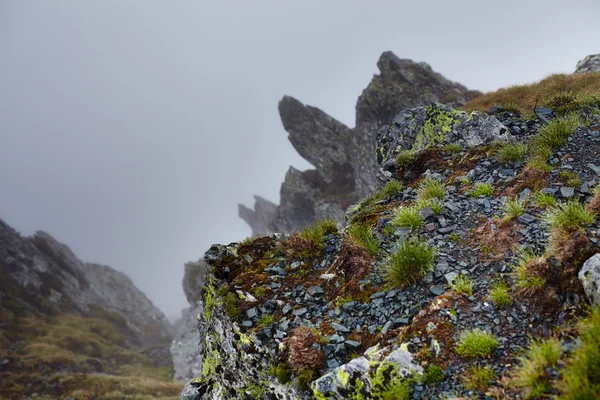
{"x":524,"y":98}
{"x":495,"y":243}
{"x":299,"y":353}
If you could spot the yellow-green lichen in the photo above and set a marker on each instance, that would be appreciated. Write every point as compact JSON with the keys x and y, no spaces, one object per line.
{"x":210,"y":363}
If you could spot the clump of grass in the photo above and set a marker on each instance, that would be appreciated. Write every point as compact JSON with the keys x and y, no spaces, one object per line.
{"x":556,"y":133}
{"x":532,"y":376}
{"x":500,"y":294}
{"x":581,"y":375}
{"x":391,"y":188}
{"x":538,"y":162}
{"x":463,"y":180}
{"x":316,"y":234}
{"x":568,"y":216}
{"x":453,"y":148}
{"x":476,"y":343}
{"x":431,"y":189}
{"x":433,"y":375}
{"x":570,"y":178}
{"x":463,"y":285}
{"x":413,"y":260}
{"x":436,"y":206}
{"x":364,"y":235}
{"x":526,"y":280}
{"x":265,"y":320}
{"x":544,"y":200}
{"x":405,"y":158}
{"x":482,"y":189}
{"x":454,"y":237}
{"x":478,"y":377}
{"x":568,"y":103}
{"x":281,"y":372}
{"x":513,"y":208}
{"x":511,"y":152}
{"x":305,"y":377}
{"x":407,"y":217}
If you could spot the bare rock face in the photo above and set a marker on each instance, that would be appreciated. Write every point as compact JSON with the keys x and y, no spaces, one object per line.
{"x":43,"y":276}
{"x":187,"y":362}
{"x":345,"y":162}
{"x":589,"y":64}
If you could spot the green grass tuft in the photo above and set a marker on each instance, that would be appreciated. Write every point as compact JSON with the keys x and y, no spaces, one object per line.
{"x":556,"y":133}
{"x":405,"y":158}
{"x":581,"y":375}
{"x":391,"y":188}
{"x":407,"y":217}
{"x":412,"y":261}
{"x":500,"y":294}
{"x":478,"y":378}
{"x":511,"y":152}
{"x":431,"y":189}
{"x":570,"y":178}
{"x":433,"y":375}
{"x":476,"y":343}
{"x":365,"y":236}
{"x":568,"y":216}
{"x":453,"y":148}
{"x":435,"y":204}
{"x":514,"y":208}
{"x":482,"y":189}
{"x":531,"y":376}
{"x":544,"y":200}
{"x":463,"y":285}
{"x":525,"y":281}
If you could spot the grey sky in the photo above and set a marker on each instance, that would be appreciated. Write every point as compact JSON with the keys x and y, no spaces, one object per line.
{"x":131,"y":129}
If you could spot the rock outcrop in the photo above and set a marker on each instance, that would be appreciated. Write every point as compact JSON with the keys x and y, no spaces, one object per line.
{"x":42,"y":276}
{"x":589,"y":64}
{"x":344,"y":159}
{"x":453,"y":266}
{"x":187,"y":361}
{"x":418,"y":128}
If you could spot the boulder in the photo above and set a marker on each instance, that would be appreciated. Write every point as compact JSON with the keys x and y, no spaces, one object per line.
{"x":421,"y":127}
{"x":376,"y":374}
{"x":589,"y":276}
{"x":589,"y":64}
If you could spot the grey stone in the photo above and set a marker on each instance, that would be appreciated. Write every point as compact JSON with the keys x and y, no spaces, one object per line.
{"x":567,"y":191}
{"x":589,"y":276}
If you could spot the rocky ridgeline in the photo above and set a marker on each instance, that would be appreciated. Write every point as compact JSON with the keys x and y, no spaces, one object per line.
{"x":345,"y":170}
{"x":320,"y":307}
{"x":41,"y":276}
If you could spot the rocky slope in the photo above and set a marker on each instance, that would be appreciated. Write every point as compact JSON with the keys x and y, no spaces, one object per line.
{"x":345,"y":170}
{"x":485,"y":236}
{"x":61,"y":315}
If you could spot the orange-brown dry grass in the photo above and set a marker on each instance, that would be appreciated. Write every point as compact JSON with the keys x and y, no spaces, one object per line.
{"x":530,"y":178}
{"x":299,"y":353}
{"x":444,"y":330}
{"x":525,"y":97}
{"x":500,"y":240}
{"x":594,"y":204}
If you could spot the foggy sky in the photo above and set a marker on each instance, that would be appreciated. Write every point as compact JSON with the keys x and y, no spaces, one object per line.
{"x":130,"y":130}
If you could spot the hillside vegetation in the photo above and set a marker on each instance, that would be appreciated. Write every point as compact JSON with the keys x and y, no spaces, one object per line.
{"x":74,"y":356}
{"x":546,"y":92}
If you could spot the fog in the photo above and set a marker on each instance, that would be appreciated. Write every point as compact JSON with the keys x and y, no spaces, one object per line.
{"x":130,"y":129}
